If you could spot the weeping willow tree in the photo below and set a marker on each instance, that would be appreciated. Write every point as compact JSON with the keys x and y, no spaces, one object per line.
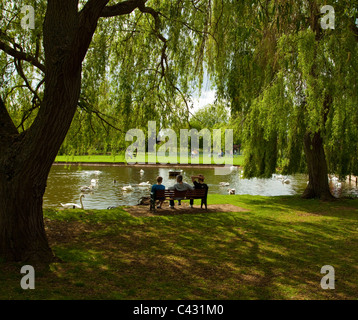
{"x":142,"y":58}
{"x":293,"y":88}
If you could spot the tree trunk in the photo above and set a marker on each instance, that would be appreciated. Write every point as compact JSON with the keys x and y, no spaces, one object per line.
{"x":318,"y":186}
{"x":22,"y":233}
{"x":26,"y":158}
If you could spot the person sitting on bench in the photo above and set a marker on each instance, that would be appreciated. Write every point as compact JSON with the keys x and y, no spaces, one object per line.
{"x":198,"y":185}
{"x":179,"y":186}
{"x":156,"y":187}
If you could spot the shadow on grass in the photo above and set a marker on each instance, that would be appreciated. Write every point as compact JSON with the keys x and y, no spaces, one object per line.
{"x":273,"y":251}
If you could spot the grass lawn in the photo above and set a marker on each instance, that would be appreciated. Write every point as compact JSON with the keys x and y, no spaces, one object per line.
{"x":274,"y":250}
{"x":92,"y":158}
{"x":120,"y":158}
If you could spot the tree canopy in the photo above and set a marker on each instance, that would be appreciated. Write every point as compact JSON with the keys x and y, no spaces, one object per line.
{"x":139,"y":66}
{"x":282,"y":74}
{"x":288,"y":78}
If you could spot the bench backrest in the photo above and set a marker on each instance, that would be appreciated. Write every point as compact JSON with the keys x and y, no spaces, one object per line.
{"x":189,"y":194}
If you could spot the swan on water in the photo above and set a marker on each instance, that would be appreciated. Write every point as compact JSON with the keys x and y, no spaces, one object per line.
{"x":94,"y":182}
{"x":127,"y":188}
{"x":145,"y":184}
{"x":87,"y":188}
{"x":74,"y":205}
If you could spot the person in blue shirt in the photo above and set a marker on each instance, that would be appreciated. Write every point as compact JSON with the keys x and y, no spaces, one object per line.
{"x":156,"y":187}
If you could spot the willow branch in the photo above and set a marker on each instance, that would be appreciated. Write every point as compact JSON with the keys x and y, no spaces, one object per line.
{"x":20,"y":55}
{"x":122,"y":8}
{"x":85,"y":105}
{"x":28,"y":85}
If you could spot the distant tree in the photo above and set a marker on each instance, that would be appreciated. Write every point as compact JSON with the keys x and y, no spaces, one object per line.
{"x":210,"y":116}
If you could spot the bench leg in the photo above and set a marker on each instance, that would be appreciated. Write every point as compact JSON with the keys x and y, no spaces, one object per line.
{"x":203,"y":201}
{"x":152,"y":205}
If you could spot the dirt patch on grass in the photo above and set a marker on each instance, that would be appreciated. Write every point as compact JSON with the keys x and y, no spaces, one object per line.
{"x":184,"y":208}
{"x":66,"y":232}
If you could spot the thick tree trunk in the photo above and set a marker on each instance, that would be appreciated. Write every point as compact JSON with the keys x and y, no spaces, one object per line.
{"x":26,"y":158}
{"x":22,"y":233}
{"x":318,"y":186}
{"x":24,"y":168}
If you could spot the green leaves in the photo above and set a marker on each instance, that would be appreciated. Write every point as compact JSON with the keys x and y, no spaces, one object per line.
{"x":285,"y":78}
{"x":132,"y":76}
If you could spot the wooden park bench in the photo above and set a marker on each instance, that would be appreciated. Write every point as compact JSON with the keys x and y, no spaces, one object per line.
{"x":176,"y":195}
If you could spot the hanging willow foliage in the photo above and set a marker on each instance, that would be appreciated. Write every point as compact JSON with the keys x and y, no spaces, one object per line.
{"x":137,"y":69}
{"x":287,"y":79}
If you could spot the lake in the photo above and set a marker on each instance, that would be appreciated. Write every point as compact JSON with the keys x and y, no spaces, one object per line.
{"x":65,"y":181}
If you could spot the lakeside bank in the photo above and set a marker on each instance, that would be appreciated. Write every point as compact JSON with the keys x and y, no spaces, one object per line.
{"x":109,"y":160}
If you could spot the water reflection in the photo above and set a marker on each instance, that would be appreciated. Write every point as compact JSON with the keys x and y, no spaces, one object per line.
{"x":64,"y":184}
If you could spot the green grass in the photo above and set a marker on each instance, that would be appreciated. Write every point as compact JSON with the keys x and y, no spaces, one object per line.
{"x":120,"y":158}
{"x":273,"y":250}
{"x":91,"y":158}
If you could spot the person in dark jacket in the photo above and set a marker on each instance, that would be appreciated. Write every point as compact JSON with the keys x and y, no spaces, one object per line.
{"x":198,"y":185}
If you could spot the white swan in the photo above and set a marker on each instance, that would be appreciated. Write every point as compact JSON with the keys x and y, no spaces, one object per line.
{"x":87,"y":188}
{"x":74,"y":205}
{"x":224,"y":184}
{"x":127,"y":188}
{"x":231,"y":191}
{"x":145,"y":184}
{"x":94,"y":182}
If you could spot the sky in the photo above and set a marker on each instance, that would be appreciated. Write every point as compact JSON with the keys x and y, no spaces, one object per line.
{"x":206,"y":97}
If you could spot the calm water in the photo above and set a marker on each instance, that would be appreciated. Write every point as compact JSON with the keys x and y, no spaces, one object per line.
{"x":64,"y":184}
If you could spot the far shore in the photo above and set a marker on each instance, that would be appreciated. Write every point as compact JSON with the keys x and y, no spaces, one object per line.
{"x":119,"y":160}
{"x":122,"y":164}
